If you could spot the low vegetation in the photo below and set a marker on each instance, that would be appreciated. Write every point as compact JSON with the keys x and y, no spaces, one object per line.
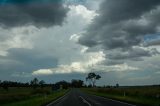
{"x":38,"y":93}
{"x":28,"y":96}
{"x":146,"y":95}
{"x":33,"y":93}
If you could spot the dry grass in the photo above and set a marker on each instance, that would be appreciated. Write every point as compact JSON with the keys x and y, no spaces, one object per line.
{"x":148,"y":96}
{"x":22,"y":93}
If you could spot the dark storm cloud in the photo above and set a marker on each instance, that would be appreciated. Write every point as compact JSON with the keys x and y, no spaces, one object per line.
{"x":131,"y":54}
{"x":116,"y":27}
{"x":122,"y":24}
{"x":114,"y":11}
{"x":26,"y":12}
{"x":111,"y":62}
{"x":26,"y":60}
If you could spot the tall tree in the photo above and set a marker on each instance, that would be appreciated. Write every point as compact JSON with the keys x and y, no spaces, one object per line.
{"x":41,"y":83}
{"x":34,"y":83}
{"x":92,"y":77}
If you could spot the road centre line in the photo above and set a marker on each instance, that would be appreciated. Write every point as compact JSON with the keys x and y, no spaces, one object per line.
{"x":86,"y":102}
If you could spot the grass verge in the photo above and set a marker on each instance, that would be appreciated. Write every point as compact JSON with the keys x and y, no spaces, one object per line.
{"x":39,"y":100}
{"x":142,"y":101}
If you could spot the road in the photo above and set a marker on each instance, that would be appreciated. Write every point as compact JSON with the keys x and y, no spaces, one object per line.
{"x":78,"y":98}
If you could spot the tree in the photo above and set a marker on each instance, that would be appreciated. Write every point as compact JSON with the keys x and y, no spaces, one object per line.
{"x":77,"y":83}
{"x":5,"y":85}
{"x":92,"y":77}
{"x":98,"y":77}
{"x":117,"y":85}
{"x":61,"y":85}
{"x":41,"y":83}
{"x":34,"y":83}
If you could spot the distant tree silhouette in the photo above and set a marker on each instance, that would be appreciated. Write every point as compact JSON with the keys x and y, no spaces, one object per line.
{"x":63,"y":84}
{"x":77,"y":83}
{"x":92,"y":77}
{"x":41,"y":83}
{"x":117,"y":85}
{"x":98,"y":77}
{"x":34,"y":83}
{"x":5,"y":85}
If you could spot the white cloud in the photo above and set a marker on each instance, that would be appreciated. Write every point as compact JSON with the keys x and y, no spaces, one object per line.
{"x":158,"y":72}
{"x":18,"y":37}
{"x":82,"y":11}
{"x":81,"y":66}
{"x":29,"y":36}
{"x":124,"y":67}
{"x":74,"y":37}
{"x":140,"y":78}
{"x":91,"y":63}
{"x":116,"y":68}
{"x":21,"y":74}
{"x":3,"y":53}
{"x":42,"y":72}
{"x":60,"y":42}
{"x":84,"y":49}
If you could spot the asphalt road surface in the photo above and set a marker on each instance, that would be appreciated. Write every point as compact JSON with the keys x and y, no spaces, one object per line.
{"x":77,"y":98}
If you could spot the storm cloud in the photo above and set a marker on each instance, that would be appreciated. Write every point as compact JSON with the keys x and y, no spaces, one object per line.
{"x":120,"y":28}
{"x":32,"y":12}
{"x":25,"y":60}
{"x":54,"y":40}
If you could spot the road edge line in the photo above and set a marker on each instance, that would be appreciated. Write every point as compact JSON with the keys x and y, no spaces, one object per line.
{"x":58,"y":99}
{"x":115,"y":100}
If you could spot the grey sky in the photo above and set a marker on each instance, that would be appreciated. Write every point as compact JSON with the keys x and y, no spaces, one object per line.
{"x":63,"y":41}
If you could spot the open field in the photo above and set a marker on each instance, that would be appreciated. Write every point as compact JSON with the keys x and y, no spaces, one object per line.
{"x":147,"y":96}
{"x":27,"y":96}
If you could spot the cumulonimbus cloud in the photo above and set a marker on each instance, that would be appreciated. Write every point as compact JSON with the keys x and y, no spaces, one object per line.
{"x":122,"y":25}
{"x":28,"y":12}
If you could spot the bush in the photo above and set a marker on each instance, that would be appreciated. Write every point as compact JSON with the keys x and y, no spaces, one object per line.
{"x":40,"y":91}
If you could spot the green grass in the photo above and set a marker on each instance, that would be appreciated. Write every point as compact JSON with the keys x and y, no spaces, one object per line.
{"x":38,"y":101}
{"x":13,"y":90}
{"x":28,"y":96}
{"x":14,"y":94}
{"x":142,"y":96}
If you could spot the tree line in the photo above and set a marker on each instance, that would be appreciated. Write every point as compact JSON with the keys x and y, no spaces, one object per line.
{"x":35,"y":83}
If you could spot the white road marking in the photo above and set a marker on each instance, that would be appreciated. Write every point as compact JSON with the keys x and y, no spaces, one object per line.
{"x":85,"y":101}
{"x":114,"y":100}
{"x":57,"y":99}
{"x":93,"y":101}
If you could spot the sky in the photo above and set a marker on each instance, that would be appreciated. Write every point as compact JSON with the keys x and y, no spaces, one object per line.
{"x":57,"y":40}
